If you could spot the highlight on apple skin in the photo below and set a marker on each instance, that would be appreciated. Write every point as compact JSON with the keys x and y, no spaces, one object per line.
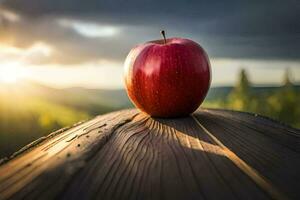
{"x":168,"y":77}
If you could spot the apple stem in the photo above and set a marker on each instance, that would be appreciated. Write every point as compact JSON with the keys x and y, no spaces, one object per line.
{"x":164,"y":35}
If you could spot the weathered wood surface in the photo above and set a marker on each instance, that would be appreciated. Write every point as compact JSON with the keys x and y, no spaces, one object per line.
{"x":213,"y":154}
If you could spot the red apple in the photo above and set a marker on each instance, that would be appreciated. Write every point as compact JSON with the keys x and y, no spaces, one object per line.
{"x":167,"y":78}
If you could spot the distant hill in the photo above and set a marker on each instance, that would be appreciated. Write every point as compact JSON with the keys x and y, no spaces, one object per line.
{"x":98,"y":101}
{"x":110,"y":99}
{"x":219,"y":93}
{"x":93,"y":101}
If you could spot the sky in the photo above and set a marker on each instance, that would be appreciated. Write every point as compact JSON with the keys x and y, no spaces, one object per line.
{"x":67,"y":43}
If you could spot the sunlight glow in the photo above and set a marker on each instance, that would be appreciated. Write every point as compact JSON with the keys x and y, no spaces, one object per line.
{"x":11,"y":73}
{"x":102,"y":74}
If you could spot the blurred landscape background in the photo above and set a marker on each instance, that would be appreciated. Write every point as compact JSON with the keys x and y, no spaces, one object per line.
{"x":61,"y":61}
{"x":29,"y":110}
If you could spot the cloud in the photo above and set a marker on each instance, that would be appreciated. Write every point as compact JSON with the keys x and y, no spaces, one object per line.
{"x":6,"y":15}
{"x":80,"y":32}
{"x":90,"y":29}
{"x":37,"y":53}
{"x":68,"y":45}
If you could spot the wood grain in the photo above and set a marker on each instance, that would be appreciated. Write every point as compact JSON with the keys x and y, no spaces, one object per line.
{"x":213,"y":154}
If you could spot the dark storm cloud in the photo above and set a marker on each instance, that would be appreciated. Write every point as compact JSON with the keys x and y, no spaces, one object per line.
{"x":264,"y":29}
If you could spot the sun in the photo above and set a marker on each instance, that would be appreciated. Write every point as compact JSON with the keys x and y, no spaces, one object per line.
{"x":11,"y":73}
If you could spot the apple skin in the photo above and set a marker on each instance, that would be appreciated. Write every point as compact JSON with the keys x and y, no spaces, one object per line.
{"x":167,"y":79}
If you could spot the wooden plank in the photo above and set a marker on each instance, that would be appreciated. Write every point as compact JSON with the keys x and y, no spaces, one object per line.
{"x":128,"y":155}
{"x":276,"y":158}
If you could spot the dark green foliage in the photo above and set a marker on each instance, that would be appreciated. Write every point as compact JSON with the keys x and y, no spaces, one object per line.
{"x":280,"y":103}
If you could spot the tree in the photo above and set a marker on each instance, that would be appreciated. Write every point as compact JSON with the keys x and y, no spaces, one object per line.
{"x":287,"y":79}
{"x":243,"y":85}
{"x":241,"y":97}
{"x":288,"y":110}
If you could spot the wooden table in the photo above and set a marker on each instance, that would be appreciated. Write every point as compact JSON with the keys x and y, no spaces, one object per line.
{"x":213,"y":154}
